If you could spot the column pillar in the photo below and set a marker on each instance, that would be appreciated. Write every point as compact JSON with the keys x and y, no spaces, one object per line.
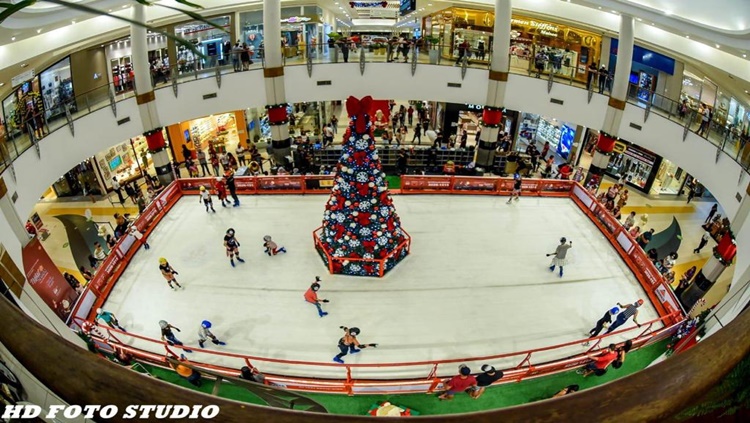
{"x":723,"y":255}
{"x":619,"y":93}
{"x":145,"y":98}
{"x":17,"y":225}
{"x":604,"y":55}
{"x":498,"y":80}
{"x":604,"y":147}
{"x":274,"y":81}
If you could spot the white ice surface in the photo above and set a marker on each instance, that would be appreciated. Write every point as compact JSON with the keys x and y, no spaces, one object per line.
{"x":476,"y":283}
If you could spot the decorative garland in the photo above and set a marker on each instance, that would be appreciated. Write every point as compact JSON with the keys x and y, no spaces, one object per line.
{"x":368,"y":4}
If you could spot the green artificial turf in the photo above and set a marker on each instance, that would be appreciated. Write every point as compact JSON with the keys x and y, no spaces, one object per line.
{"x":394,"y":181}
{"x":427,"y":404}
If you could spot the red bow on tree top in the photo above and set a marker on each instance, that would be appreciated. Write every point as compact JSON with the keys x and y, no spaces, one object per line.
{"x":357,"y":109}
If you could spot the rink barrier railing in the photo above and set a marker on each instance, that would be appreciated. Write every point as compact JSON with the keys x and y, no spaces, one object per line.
{"x":656,"y":287}
{"x":114,"y":265}
{"x":381,"y":262}
{"x":436,"y":371}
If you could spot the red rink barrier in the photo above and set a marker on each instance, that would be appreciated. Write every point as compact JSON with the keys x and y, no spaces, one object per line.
{"x":652,"y":282}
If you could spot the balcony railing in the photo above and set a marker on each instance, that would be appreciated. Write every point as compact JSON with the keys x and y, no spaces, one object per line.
{"x":20,"y":137}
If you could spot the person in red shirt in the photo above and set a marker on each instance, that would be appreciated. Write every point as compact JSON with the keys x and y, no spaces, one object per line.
{"x":461,"y":382}
{"x":600,"y":363}
{"x":311,"y":296}
{"x":221,"y":191}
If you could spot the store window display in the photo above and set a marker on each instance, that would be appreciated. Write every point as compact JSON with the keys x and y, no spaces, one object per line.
{"x":57,"y":90}
{"x":558,"y":136}
{"x":24,"y":110}
{"x":127,"y":161}
{"x":82,"y":180}
{"x":209,"y":40}
{"x":634,"y":164}
{"x":669,"y":179}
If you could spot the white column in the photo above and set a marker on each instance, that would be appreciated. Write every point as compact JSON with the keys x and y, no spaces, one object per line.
{"x":604,"y":55}
{"x":140,"y":51}
{"x":624,"y":58}
{"x":501,"y":36}
{"x":272,"y":33}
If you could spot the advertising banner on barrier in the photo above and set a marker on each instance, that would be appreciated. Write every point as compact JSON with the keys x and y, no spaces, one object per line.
{"x":46,"y":279}
{"x":280,"y":183}
{"x":245,"y":184}
{"x":474,"y":184}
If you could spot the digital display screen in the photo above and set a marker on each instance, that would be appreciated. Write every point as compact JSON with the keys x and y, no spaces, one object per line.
{"x":567,"y":135}
{"x":115,"y":162}
{"x":407,"y":6}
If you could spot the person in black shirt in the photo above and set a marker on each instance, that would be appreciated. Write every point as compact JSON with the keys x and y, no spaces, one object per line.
{"x":605,"y":321}
{"x":432,"y":157}
{"x":402,"y":162}
{"x":229,"y":181}
{"x":484,"y":380}
{"x":516,"y":193}
{"x":232,"y":246}
{"x":168,"y":336}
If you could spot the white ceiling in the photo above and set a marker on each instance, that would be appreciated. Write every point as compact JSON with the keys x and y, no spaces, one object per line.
{"x":732,"y":16}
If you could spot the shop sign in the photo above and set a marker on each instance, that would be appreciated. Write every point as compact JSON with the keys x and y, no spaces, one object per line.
{"x":22,"y":77}
{"x":296,"y":19}
{"x":542,"y":28}
{"x":640,"y":155}
{"x":620,"y":147}
{"x":475,"y":106}
{"x":37,"y":221}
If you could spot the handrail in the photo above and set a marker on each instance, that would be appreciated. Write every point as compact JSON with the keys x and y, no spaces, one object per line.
{"x":727,"y":139}
{"x":639,"y":397}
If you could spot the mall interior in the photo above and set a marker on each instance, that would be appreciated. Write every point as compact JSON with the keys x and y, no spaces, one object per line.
{"x":640,"y":110}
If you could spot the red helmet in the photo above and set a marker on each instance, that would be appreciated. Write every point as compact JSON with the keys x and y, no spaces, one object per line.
{"x":639,"y":302}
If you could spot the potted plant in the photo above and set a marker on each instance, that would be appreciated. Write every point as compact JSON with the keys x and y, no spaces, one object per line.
{"x":434,"y":52}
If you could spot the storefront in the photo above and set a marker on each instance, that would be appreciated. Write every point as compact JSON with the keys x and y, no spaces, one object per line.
{"x":212,"y":42}
{"x":300,"y":27}
{"x":126,"y":161}
{"x":636,"y":165}
{"x":80,"y":181}
{"x":539,"y":130}
{"x":459,"y":117}
{"x":120,"y":58}
{"x":23,"y":110}
{"x":566,"y":50}
{"x":647,"y":68}
{"x":221,"y":133}
{"x":670,"y":179}
{"x":56,"y":83}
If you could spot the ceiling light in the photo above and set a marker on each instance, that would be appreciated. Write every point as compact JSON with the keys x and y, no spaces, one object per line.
{"x":639,"y":19}
{"x":718,"y":46}
{"x":13,"y":38}
{"x":23,"y":65}
{"x":653,"y":24}
{"x":744,"y":55}
{"x":72,"y":22}
{"x":667,"y":12}
{"x":600,"y":8}
{"x":110,"y":10}
{"x":125,"y":6}
{"x":687,"y":36}
{"x":39,"y":31}
{"x":3,"y":83}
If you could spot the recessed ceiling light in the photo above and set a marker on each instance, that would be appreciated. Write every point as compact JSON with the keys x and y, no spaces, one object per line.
{"x":39,"y":31}
{"x":125,"y":6}
{"x":23,"y":65}
{"x":687,"y":36}
{"x":600,"y":8}
{"x":744,"y":55}
{"x":718,"y":46}
{"x":667,"y":12}
{"x":110,"y":10}
{"x":3,"y":83}
{"x":639,"y":19}
{"x":653,"y":24}
{"x":13,"y":38}
{"x":72,"y":22}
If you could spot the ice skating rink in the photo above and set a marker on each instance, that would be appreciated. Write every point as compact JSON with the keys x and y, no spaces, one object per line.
{"x":477,"y":283}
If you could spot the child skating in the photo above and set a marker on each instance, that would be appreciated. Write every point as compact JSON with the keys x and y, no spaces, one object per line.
{"x":232,"y":246}
{"x":168,"y":336}
{"x":168,"y":272}
{"x":221,"y":191}
{"x":271,"y":247}
{"x":559,"y":255}
{"x":348,"y":344}
{"x":109,"y":318}
{"x":205,"y":197}
{"x":516,"y":193}
{"x":311,"y":296}
{"x":204,"y":334}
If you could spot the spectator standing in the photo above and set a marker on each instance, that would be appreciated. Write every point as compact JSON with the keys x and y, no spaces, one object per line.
{"x":203,"y":162}
{"x":629,"y":221}
{"x":240,"y":152}
{"x":188,"y":373}
{"x":591,"y":76}
{"x":410,"y":114}
{"x":711,"y":213}
{"x":645,"y":238}
{"x":116,"y":188}
{"x":603,"y":74}
{"x":704,"y":240}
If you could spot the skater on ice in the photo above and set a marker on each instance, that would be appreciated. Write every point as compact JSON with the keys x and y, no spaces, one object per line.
{"x":221,"y":191}
{"x":311,"y":296}
{"x":516,"y":193}
{"x":168,"y":272}
{"x":204,"y":334}
{"x":559,"y":255}
{"x":205,"y":197}
{"x":168,"y":336}
{"x":109,"y":318}
{"x":232,"y":246}
{"x":348,"y":344}
{"x":627,"y":311}
{"x":271,"y":247}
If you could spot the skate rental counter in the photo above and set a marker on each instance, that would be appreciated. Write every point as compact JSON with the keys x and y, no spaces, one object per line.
{"x":143,"y":348}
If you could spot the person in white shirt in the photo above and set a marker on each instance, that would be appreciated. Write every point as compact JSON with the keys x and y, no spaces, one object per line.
{"x":704,"y":240}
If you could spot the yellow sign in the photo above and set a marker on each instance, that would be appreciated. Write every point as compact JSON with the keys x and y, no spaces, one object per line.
{"x":619,"y":147}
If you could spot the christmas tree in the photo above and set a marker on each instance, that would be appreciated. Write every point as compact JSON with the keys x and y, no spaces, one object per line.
{"x":361,"y":233}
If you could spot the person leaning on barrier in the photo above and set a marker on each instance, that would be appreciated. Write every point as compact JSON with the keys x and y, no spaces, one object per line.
{"x":252,"y":374}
